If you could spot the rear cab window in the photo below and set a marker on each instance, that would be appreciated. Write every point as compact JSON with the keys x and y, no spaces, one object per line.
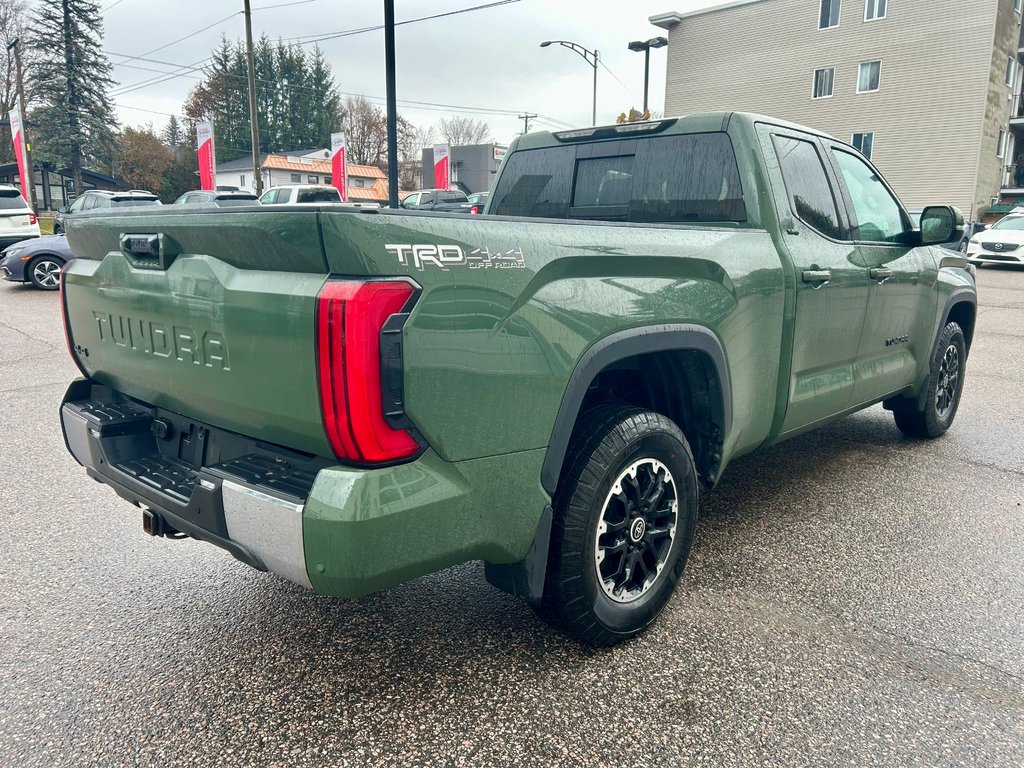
{"x":683,"y":178}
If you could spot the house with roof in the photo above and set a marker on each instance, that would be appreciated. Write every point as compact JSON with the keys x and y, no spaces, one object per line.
{"x":366,"y":183}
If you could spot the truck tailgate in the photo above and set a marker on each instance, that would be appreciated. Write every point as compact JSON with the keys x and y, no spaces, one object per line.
{"x":217,"y":325}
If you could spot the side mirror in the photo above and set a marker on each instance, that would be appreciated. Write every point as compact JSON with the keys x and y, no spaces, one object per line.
{"x":62,"y":210}
{"x":941,"y":224}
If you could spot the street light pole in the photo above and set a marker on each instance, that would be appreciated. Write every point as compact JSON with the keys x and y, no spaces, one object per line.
{"x":645,"y":46}
{"x":591,"y":57}
{"x":30,"y":187}
{"x":392,"y":101}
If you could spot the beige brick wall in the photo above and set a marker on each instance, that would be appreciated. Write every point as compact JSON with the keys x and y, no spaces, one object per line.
{"x":927,"y":116}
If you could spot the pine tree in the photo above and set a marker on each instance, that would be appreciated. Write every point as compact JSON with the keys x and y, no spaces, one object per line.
{"x":69,"y":79}
{"x":172,"y":134}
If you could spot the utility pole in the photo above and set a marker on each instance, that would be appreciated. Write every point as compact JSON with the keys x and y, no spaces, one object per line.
{"x":253,"y":118}
{"x":31,"y":186}
{"x":392,"y":103}
{"x":526,"y":121}
{"x":592,"y":57}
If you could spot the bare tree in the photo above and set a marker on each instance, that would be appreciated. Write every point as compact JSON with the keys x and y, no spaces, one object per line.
{"x":13,"y":25}
{"x":461,"y":131}
{"x":366,"y":132}
{"x":425,"y":136}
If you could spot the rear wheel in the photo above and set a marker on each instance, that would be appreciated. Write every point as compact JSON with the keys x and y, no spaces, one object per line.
{"x":942,"y":390}
{"x":44,"y":272}
{"x":624,"y":520}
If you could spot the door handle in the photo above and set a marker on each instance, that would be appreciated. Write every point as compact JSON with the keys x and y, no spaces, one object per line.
{"x":881,"y":274}
{"x":817,"y":277}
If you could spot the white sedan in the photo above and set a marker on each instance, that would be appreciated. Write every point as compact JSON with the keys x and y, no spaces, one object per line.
{"x":1002,"y":243}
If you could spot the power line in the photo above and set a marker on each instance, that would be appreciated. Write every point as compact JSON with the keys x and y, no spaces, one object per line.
{"x":347,"y":32}
{"x":116,"y":2}
{"x":628,"y":89}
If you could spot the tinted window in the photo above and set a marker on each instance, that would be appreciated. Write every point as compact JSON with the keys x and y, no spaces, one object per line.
{"x":223,"y":201}
{"x":453,"y":197}
{"x":687,"y":178}
{"x":319,"y":196}
{"x":603,"y":181}
{"x":536,"y":183}
{"x":11,"y":199}
{"x":133,"y":202}
{"x":810,"y":194}
{"x":879,"y":217}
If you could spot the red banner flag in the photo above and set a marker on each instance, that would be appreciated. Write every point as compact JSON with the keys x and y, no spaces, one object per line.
{"x":20,"y":152}
{"x":442,"y":180}
{"x":339,"y":169}
{"x":207,"y":156}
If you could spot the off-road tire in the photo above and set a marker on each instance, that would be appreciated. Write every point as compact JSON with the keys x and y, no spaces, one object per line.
{"x":942,"y":396}
{"x":611,"y":440}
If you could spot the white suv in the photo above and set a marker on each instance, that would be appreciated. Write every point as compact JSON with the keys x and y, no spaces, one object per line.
{"x":308,"y":194}
{"x":17,"y":221}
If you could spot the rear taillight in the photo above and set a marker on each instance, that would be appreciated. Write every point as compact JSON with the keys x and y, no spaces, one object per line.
{"x":350,"y":316}
{"x":32,"y":218}
{"x":475,"y":209}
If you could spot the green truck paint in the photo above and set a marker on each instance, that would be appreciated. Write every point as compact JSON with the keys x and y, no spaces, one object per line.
{"x":745,"y":330}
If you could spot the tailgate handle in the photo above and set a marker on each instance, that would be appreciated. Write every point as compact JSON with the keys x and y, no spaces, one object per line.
{"x":148,"y":251}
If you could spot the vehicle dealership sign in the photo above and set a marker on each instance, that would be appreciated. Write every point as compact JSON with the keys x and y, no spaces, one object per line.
{"x":339,"y":168}
{"x":442,"y":179}
{"x":20,"y":152}
{"x":207,"y":156}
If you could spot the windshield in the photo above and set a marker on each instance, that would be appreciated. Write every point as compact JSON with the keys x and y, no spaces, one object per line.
{"x":1010,"y":222}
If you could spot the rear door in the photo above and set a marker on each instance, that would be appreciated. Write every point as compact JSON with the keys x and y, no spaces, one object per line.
{"x":831,"y":285}
{"x":897,"y":335}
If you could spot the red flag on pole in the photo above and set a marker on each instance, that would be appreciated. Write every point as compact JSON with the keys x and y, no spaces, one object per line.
{"x":20,"y":153}
{"x":442,"y":180}
{"x":339,"y":168}
{"x":207,"y":156}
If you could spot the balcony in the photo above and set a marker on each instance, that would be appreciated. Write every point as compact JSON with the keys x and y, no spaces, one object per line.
{"x":1017,"y":112}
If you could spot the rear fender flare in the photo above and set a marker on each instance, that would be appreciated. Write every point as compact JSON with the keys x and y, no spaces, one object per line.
{"x":619,"y":346}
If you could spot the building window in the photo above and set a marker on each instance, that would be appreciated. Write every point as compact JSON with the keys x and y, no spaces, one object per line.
{"x":1011,"y":66}
{"x":874,"y":9}
{"x":312,"y":179}
{"x":241,"y":180}
{"x":828,"y":16}
{"x":327,"y":179}
{"x":864,"y":142}
{"x":1001,"y":144}
{"x":868,"y":76}
{"x":1017,"y":5}
{"x":296,"y":178}
{"x":823,"y":80}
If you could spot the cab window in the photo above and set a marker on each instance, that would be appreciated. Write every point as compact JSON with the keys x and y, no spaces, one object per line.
{"x":810,"y":195}
{"x":880,"y":219}
{"x":78,"y":205}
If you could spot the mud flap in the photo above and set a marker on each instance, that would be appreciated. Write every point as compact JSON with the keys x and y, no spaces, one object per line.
{"x":525,"y":579}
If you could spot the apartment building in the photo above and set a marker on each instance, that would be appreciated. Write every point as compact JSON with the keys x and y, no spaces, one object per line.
{"x":930,"y":90}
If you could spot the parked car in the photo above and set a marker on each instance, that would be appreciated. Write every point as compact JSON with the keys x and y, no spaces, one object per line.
{"x":356,"y":401}
{"x":450,"y":200}
{"x":1002,"y":243}
{"x":101,"y":199}
{"x":17,"y":221}
{"x":37,"y":261}
{"x":219,"y":199}
{"x":478,"y":201}
{"x":309,"y":194}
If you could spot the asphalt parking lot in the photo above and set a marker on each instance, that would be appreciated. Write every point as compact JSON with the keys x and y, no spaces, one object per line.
{"x":854,"y":597}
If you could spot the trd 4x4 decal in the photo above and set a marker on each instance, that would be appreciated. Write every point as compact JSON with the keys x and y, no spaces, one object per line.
{"x":444,"y":256}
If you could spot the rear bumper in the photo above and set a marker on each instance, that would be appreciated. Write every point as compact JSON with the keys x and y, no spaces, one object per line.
{"x":338,"y":530}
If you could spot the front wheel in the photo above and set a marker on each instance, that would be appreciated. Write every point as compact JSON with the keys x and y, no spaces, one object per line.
{"x":44,"y":272}
{"x":942,"y":390}
{"x":624,"y":520}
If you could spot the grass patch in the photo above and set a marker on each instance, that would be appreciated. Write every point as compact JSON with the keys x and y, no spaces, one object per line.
{"x":46,"y":226}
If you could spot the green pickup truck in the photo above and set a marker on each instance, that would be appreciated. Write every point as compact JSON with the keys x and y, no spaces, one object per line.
{"x":354,"y":399}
